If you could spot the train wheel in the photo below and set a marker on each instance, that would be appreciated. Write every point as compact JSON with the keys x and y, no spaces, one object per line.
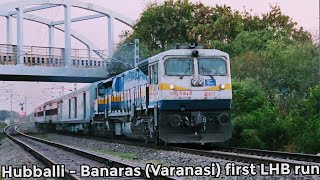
{"x":156,"y":139}
{"x":209,"y":145}
{"x":146,"y":140}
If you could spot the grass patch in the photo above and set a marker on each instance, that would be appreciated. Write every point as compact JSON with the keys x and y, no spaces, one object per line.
{"x":2,"y":126}
{"x":118,"y":154}
{"x":47,"y":137}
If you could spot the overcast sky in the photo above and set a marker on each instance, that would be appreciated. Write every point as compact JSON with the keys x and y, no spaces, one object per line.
{"x":306,"y":13}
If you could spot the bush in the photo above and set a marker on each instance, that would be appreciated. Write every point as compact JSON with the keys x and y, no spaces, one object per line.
{"x":257,"y":122}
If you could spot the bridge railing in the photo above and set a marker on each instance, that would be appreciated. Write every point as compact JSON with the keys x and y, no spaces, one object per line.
{"x":43,"y":56}
{"x":84,"y":58}
{"x":8,"y":54}
{"x":52,"y":57}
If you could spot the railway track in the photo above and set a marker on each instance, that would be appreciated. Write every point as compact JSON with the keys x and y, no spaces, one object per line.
{"x":51,"y":153}
{"x":247,"y":158}
{"x":266,"y":153}
{"x":233,"y":154}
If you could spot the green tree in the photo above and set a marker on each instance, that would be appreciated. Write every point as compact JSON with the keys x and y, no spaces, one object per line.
{"x":273,"y":63}
{"x":4,"y":114}
{"x":163,"y":25}
{"x":257,"y":122}
{"x":309,"y":122}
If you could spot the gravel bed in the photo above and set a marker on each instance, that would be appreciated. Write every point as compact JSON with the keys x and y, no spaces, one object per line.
{"x":150,"y":155}
{"x":70,"y":160}
{"x":14,"y":155}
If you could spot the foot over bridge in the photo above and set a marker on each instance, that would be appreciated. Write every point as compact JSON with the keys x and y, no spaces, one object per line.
{"x":29,"y":63}
{"x":38,"y":65}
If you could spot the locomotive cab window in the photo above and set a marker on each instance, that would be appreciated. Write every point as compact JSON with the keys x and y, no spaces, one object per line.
{"x":179,"y":66}
{"x":153,"y":74}
{"x":100,"y":90}
{"x":212,"y":66}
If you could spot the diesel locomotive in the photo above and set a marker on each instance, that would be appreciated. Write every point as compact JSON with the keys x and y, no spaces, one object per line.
{"x":178,"y":96}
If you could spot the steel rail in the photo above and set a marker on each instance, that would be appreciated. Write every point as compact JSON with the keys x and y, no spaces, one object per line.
{"x":247,"y":158}
{"x":267,"y":153}
{"x":109,"y":161}
{"x":42,"y":158}
{"x":281,"y":157}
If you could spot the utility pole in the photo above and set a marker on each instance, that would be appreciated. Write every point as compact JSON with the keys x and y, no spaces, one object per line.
{"x":11,"y":106}
{"x":136,"y":52}
{"x":25,"y":105}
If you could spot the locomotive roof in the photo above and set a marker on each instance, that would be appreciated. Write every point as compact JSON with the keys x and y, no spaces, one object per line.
{"x":142,"y":65}
{"x":181,"y":52}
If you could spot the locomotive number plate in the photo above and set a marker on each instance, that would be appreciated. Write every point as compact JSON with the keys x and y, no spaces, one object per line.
{"x":209,"y":94}
{"x":181,"y":93}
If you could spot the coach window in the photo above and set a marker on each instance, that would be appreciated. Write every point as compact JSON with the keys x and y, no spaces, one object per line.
{"x":154,"y":74}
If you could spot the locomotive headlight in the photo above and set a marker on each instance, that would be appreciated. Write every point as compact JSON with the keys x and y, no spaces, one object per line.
{"x":194,"y":82}
{"x":171,"y":86}
{"x":222,"y":86}
{"x":201,"y":82}
{"x":197,"y":82}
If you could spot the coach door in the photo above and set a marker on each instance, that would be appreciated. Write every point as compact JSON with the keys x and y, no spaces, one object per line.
{"x":84,"y":105}
{"x":59,"y":111}
{"x":153,"y":84}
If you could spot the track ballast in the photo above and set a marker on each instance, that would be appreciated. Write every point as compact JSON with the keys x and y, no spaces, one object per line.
{"x":51,"y":153}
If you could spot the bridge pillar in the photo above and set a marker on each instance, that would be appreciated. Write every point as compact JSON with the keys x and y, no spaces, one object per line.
{"x":20,"y":53}
{"x":9,"y":29}
{"x":110,"y":35}
{"x":67,"y":34}
{"x":51,"y":42}
{"x":9,"y":34}
{"x":89,"y":53}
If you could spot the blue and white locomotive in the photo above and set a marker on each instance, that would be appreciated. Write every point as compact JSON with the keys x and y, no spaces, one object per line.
{"x":177,"y":96}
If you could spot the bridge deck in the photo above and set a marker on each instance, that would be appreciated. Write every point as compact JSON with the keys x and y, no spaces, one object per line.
{"x":51,"y":74}
{"x":48,"y":64}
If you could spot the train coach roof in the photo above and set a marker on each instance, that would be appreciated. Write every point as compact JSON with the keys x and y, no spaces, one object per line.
{"x":70,"y":94}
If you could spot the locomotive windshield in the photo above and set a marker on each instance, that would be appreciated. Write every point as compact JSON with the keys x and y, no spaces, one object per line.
{"x":212,"y":66}
{"x":179,"y":66}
